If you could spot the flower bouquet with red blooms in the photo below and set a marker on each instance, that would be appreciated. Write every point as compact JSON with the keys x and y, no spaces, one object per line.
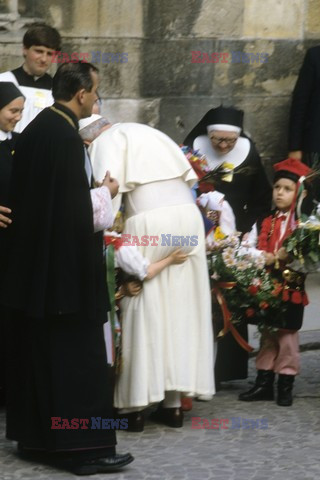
{"x":245,"y":290}
{"x":198,"y":162}
{"x":207,"y":176}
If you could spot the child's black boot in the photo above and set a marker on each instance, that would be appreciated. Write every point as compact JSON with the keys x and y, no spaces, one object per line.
{"x":262,"y":389}
{"x":285,"y":385}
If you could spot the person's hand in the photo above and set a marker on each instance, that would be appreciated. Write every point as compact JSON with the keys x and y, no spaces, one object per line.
{"x":296,"y":154}
{"x":283,"y":255}
{"x":213,"y":215}
{"x":111,"y":183}
{"x":245,"y":240}
{"x":245,"y":237}
{"x":270,"y":258}
{"x":132,"y":288}
{"x":202,"y":200}
{"x":178,"y":257}
{"x":4,"y":220}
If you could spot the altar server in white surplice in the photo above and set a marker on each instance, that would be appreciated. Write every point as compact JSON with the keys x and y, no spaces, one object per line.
{"x":41,"y":43}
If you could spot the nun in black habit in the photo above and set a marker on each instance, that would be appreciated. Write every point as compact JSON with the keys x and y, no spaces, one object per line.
{"x":11,"y":107}
{"x":219,"y":136}
{"x":54,"y":287}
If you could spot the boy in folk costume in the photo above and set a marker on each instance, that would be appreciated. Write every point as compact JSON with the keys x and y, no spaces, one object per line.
{"x":279,"y":351}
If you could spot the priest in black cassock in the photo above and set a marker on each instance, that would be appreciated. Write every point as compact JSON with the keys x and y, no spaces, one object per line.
{"x":219,"y":136}
{"x":11,"y":107}
{"x":54,"y":286}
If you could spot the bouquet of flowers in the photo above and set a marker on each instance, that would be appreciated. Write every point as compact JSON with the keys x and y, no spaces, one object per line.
{"x":198,"y":162}
{"x":304,"y":244}
{"x":205,"y":173}
{"x":245,"y":290}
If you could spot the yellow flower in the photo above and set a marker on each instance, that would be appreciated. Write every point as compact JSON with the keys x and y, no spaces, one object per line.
{"x":228,"y":166}
{"x":218,"y":234}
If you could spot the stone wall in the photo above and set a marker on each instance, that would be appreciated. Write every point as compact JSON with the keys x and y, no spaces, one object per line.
{"x":159,"y":84}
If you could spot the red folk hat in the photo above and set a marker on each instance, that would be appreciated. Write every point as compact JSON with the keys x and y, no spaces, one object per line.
{"x":291,"y":166}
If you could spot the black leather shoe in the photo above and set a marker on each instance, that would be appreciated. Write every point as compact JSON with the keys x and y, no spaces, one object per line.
{"x":285,"y":385}
{"x":262,"y":389}
{"x":102,"y":465}
{"x":172,"y":417}
{"x":135,"y":421}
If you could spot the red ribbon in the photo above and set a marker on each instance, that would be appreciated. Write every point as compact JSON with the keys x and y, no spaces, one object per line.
{"x":228,"y":325}
{"x":115,"y":241}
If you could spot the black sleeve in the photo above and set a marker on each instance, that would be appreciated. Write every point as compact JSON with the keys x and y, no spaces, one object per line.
{"x":259,"y":204}
{"x":54,"y":258}
{"x":301,"y":99}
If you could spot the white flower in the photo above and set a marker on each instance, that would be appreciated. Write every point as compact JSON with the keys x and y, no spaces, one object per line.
{"x":260,"y":262}
{"x":215,"y":276}
{"x":242,"y":265}
{"x":230,"y":252}
{"x":230,"y":261}
{"x":234,"y":239}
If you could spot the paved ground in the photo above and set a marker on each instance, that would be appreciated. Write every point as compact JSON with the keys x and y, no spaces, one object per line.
{"x":288,"y":449}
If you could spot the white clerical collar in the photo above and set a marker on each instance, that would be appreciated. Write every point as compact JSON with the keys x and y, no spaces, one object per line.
{"x":236,"y":156}
{"x":5,"y":136}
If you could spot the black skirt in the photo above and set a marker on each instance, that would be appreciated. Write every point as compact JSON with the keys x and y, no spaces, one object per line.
{"x":57,"y":367}
{"x":231,"y":360}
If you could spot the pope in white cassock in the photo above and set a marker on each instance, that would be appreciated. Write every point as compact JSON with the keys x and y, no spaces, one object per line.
{"x":167,"y":340}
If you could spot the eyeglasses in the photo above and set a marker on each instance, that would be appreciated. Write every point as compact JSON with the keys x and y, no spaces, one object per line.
{"x":228,"y":141}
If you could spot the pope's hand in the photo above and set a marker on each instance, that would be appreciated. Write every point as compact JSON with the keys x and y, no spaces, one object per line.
{"x":111,"y":183}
